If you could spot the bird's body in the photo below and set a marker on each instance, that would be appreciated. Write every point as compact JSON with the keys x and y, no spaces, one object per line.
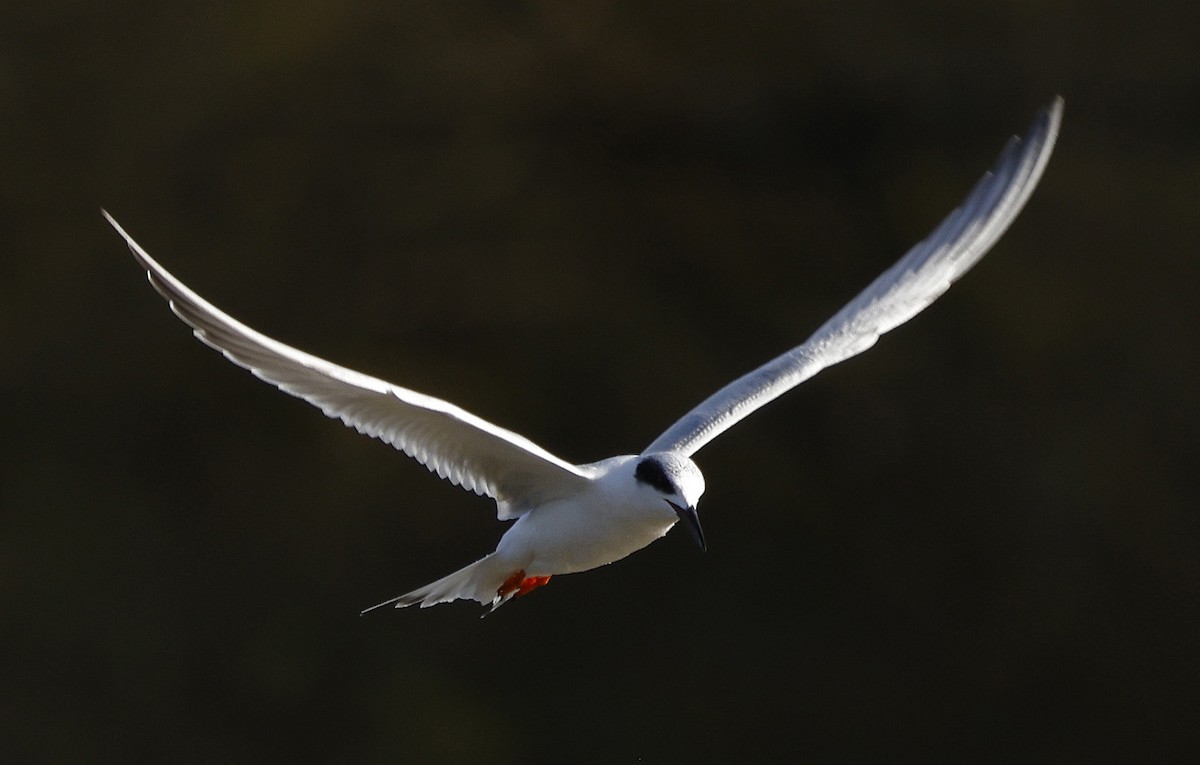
{"x":571,"y":518}
{"x":576,"y":533}
{"x":613,"y":516}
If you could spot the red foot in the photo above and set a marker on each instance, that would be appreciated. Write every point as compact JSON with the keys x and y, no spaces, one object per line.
{"x":518,"y":584}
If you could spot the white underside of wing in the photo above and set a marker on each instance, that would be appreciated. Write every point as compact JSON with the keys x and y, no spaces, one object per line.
{"x":455,"y":444}
{"x":900,"y":293}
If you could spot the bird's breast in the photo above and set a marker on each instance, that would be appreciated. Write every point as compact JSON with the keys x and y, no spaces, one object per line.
{"x":582,"y":533}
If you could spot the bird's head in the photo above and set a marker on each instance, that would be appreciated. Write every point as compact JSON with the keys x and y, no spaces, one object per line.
{"x":679,"y":482}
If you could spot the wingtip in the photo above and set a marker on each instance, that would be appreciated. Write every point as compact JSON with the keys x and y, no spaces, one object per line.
{"x":117,"y":226}
{"x":111,"y":220}
{"x":1045,"y":126}
{"x":139,"y":254}
{"x":1043,"y":136}
{"x":1053,"y":113}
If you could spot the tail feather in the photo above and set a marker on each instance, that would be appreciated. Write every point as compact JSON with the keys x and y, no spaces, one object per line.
{"x":479,"y":581}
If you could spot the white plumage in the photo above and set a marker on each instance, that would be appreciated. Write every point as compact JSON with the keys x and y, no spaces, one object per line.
{"x":572,"y":518}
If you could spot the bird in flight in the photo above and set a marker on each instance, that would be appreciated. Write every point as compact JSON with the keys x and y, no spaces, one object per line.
{"x":571,"y":518}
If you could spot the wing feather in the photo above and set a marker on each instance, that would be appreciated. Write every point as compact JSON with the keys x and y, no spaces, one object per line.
{"x":900,"y":293}
{"x":456,"y":445}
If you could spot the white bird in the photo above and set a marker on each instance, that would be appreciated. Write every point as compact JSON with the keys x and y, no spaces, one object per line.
{"x":572,"y":518}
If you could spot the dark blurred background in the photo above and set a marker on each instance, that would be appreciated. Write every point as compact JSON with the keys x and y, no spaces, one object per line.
{"x":978,"y":542}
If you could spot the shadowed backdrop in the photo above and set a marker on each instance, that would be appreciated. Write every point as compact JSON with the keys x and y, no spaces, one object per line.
{"x":978,"y":541}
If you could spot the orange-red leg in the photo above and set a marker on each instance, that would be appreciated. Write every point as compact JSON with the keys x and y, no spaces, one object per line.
{"x":529,"y":584}
{"x":518,"y":584}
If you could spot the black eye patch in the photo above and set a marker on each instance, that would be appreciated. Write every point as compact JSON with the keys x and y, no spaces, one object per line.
{"x":650,"y":471}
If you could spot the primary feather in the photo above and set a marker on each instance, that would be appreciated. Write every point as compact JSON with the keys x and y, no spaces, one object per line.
{"x":898,"y":294}
{"x":458,"y":446}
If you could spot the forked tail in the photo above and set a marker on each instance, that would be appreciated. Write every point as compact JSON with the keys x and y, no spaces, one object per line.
{"x":482,"y":581}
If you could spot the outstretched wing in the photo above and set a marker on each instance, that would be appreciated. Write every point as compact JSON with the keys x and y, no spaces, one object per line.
{"x":900,"y":293}
{"x":457,"y":445}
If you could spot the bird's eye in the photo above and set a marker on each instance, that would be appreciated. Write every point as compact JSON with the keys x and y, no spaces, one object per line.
{"x":651,"y":473}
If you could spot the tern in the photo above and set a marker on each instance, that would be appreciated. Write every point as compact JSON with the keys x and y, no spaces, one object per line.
{"x":571,"y":518}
